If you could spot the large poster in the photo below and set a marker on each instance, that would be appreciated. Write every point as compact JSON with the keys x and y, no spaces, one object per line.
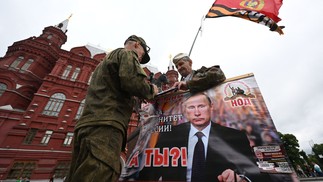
{"x":238,"y":136}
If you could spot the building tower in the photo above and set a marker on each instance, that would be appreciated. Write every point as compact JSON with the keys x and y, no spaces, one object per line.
{"x":171,"y":74}
{"x":26,"y":64}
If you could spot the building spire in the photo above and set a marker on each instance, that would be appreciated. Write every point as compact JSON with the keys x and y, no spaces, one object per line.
{"x":69,"y":16}
{"x":63,"y":24}
{"x":170,"y":66}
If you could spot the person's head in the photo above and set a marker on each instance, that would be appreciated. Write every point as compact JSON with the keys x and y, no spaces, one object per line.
{"x":197,"y":109}
{"x":183,"y":64}
{"x":138,"y":45}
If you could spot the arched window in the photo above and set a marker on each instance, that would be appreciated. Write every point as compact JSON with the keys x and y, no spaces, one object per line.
{"x":16,"y":62}
{"x":68,"y":139}
{"x":80,"y":110}
{"x":62,"y":168}
{"x":66,"y":72}
{"x":90,"y":78}
{"x":30,"y":136}
{"x":22,"y":168}
{"x":46,"y":137}
{"x":27,"y":64}
{"x":54,"y":105}
{"x":3,"y":88}
{"x":75,"y":74}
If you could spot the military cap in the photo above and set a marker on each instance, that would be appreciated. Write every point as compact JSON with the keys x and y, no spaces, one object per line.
{"x":142,"y":42}
{"x":179,"y":57}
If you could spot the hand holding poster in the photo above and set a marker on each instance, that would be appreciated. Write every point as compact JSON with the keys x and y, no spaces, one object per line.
{"x":239,"y":138}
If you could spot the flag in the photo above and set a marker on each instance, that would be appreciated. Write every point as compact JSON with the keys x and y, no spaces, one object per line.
{"x":269,"y":8}
{"x":260,"y":11}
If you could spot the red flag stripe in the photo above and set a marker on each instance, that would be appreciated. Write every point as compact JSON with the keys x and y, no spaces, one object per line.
{"x":269,"y":8}
{"x":221,"y":11}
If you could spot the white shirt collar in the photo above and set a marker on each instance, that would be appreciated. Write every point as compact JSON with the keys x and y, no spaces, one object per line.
{"x":205,"y":131}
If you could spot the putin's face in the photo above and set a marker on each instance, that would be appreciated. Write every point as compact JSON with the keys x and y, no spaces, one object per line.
{"x":197,"y":110}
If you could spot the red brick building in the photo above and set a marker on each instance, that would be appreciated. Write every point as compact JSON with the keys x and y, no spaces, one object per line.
{"x":42,"y":94}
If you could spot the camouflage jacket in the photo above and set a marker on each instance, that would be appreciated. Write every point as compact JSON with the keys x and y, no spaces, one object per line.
{"x":205,"y":78}
{"x":109,"y":99}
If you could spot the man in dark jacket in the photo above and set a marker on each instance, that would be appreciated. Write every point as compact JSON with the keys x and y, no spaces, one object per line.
{"x":196,"y":80}
{"x":100,"y":133}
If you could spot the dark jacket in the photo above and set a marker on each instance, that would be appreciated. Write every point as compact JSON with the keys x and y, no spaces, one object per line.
{"x":205,"y":78}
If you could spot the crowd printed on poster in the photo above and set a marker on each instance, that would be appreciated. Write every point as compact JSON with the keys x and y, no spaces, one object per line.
{"x":240,"y":127}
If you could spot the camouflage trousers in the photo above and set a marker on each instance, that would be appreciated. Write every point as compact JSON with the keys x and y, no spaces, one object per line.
{"x":96,"y":155}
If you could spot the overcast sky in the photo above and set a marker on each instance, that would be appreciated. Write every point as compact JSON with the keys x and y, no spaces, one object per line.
{"x":288,"y":68}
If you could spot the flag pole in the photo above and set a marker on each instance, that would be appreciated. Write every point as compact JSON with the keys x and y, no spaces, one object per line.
{"x":199,"y":30}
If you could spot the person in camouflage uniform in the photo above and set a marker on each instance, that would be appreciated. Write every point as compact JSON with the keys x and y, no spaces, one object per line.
{"x":100,"y":133}
{"x":196,"y":80}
